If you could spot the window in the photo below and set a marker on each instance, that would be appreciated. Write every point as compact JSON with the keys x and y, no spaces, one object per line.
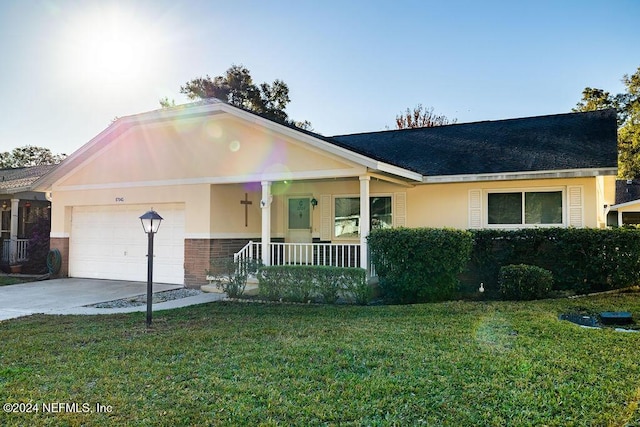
{"x":347,"y":215}
{"x":380,"y":211}
{"x":525,"y":208}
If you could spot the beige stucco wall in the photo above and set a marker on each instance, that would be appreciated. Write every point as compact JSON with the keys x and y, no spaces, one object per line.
{"x":218,"y":146}
{"x":447,"y":205}
{"x":227,"y":214}
{"x":195,"y":198}
{"x":215,"y":211}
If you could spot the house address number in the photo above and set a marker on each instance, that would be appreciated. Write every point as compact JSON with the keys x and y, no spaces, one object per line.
{"x":119,"y":199}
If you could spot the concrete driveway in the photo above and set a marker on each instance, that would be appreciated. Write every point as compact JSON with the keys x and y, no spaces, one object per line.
{"x":67,"y":295}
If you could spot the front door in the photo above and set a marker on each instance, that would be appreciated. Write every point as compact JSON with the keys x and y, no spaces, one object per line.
{"x":299,"y":220}
{"x":298,"y":231}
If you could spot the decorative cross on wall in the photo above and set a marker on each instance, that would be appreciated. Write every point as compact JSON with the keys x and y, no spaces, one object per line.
{"x":246,"y":204}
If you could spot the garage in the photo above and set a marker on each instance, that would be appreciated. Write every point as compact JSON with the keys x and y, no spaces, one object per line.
{"x":107,"y":242}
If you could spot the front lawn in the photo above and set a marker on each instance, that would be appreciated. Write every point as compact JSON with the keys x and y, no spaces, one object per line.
{"x":456,"y":363}
{"x":7,"y":280}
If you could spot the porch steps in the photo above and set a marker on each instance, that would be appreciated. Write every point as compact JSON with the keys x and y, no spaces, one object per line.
{"x":250,"y":290}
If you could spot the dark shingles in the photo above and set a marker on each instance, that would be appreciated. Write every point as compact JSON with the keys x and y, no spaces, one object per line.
{"x":627,"y":190}
{"x":556,"y":142}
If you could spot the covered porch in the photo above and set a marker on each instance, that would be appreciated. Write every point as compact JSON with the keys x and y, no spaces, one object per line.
{"x":299,"y":246}
{"x":17,"y":217}
{"x":323,"y":221}
{"x":316,"y":222}
{"x":20,"y":207}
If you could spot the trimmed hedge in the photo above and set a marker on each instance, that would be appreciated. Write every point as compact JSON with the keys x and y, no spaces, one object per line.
{"x":421,"y":264}
{"x":524,"y":282}
{"x":581,"y":260}
{"x":303,"y":283}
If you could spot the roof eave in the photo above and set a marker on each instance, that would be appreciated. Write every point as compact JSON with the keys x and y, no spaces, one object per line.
{"x":76,"y":158}
{"x":359,"y":159}
{"x":625,"y":204}
{"x":509,"y":176}
{"x":398,"y":171}
{"x":16,"y":190}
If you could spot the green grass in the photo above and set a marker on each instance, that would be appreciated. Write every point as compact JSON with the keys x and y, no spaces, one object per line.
{"x":6,"y":280}
{"x":451,"y":364}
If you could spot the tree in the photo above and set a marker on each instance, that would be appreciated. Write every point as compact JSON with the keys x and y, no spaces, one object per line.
{"x":627,"y":106}
{"x":166,"y":103}
{"x":29,"y":155}
{"x":237,"y":88}
{"x":421,"y":117}
{"x":595,"y":99}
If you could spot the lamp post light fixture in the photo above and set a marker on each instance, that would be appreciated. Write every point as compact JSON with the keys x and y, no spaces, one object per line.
{"x":150,"y":223}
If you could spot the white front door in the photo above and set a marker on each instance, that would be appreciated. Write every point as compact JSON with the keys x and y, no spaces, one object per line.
{"x":299,"y":220}
{"x":298,"y":231}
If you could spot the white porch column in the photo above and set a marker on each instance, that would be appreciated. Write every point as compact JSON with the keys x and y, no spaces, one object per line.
{"x":265,"y":204}
{"x":13,"y":246}
{"x":365,"y":221}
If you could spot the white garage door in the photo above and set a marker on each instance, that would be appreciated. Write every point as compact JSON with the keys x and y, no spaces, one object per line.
{"x":108,"y":242}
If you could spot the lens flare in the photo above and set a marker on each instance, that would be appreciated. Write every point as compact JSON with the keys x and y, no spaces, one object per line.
{"x":213,"y":129}
{"x":234,"y":145}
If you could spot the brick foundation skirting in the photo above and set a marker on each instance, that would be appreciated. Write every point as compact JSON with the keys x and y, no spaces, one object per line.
{"x":199,"y":252}
{"x":61,"y":244}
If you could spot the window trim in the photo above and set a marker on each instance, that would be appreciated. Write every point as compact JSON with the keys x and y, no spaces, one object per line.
{"x":523,"y":191}
{"x":357,"y":196}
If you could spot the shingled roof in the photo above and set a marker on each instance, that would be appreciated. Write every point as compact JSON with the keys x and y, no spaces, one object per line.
{"x":20,"y":179}
{"x":627,"y":190}
{"x":545,"y":143}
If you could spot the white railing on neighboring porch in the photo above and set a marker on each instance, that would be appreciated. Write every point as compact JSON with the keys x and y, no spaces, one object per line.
{"x":332,"y":254}
{"x":22,"y":247}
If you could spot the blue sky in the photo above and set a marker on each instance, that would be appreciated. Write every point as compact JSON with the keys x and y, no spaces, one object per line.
{"x":69,"y":67}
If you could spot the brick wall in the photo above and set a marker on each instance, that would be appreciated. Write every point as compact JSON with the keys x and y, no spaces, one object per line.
{"x":62,"y":244}
{"x":199,"y":252}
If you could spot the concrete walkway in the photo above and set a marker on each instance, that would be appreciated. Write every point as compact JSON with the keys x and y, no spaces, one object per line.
{"x":71,"y":296}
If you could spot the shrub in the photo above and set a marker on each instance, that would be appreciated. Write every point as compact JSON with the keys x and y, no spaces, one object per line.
{"x":348,"y":283}
{"x":38,"y":248}
{"x":419,"y":265}
{"x":524,"y":282}
{"x":303,"y":283}
{"x":581,"y":260}
{"x":231,"y":275}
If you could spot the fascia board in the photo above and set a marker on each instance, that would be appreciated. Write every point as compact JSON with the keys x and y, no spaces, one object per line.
{"x":507,"y":176}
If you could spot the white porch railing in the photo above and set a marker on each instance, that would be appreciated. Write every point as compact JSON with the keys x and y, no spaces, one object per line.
{"x":22,"y":248}
{"x":251,"y":251}
{"x":331,"y":254}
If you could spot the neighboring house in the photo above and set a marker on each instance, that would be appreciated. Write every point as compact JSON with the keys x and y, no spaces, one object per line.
{"x":20,"y":206}
{"x":221,"y":176}
{"x":626,"y":210}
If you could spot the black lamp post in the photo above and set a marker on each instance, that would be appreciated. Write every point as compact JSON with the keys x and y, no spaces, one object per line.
{"x":150,"y":223}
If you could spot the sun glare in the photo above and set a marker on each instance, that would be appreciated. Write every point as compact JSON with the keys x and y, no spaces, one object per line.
{"x":108,"y":47}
